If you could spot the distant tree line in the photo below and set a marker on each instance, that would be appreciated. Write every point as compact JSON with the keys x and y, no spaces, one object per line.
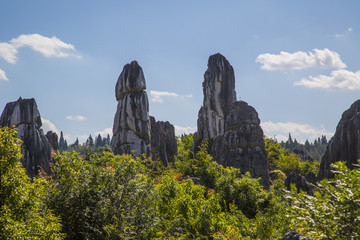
{"x":90,"y":143}
{"x":308,"y":151}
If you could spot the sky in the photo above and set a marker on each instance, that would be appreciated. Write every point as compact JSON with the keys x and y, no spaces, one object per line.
{"x":296,"y":62}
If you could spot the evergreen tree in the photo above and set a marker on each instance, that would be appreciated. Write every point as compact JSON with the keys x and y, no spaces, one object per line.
{"x":90,"y":141}
{"x":76,"y":143}
{"x":62,"y":146}
{"x":98,"y":141}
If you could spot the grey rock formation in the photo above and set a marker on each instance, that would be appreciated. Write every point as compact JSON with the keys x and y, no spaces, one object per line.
{"x":163,"y":141}
{"x":36,"y":149}
{"x":53,"y":140}
{"x":232,"y":127}
{"x":242,"y":145}
{"x":131,"y":130}
{"x":300,"y":182}
{"x":219,"y":93}
{"x":295,"y":236}
{"x":345,"y":145}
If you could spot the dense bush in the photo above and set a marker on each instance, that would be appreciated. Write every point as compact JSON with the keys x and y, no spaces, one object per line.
{"x":281,"y":159}
{"x":334,"y":210}
{"x":23,"y":212}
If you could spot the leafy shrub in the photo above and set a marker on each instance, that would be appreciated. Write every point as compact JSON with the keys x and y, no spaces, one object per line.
{"x":334,"y":210}
{"x":23,"y":212}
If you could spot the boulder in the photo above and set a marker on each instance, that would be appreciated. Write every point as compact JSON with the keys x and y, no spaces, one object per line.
{"x":163,"y":141}
{"x":300,"y":182}
{"x":345,"y":145}
{"x":131,"y":130}
{"x":53,"y":140}
{"x":36,"y":148}
{"x":242,"y":145}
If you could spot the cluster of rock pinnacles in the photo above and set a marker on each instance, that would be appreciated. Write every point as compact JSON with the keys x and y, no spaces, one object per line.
{"x":232,"y":127}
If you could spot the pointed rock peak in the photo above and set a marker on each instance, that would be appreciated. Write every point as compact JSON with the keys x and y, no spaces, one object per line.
{"x":131,"y":79}
{"x":218,"y":61}
{"x":22,"y":111}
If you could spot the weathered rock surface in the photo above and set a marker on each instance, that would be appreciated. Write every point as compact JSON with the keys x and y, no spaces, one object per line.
{"x":300,"y":182}
{"x":131,"y":130}
{"x":242,"y":145}
{"x":53,"y":140}
{"x":345,"y":145}
{"x":163,"y":141}
{"x":295,"y":236}
{"x":219,"y":93}
{"x":36,"y":149}
{"x":232,"y":127}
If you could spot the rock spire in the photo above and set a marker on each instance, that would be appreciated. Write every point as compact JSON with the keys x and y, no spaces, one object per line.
{"x":232,"y":127}
{"x":36,"y":149}
{"x":345,"y":145}
{"x":131,"y":130}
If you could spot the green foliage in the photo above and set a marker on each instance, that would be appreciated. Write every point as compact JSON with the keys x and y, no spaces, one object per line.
{"x":334,"y":210}
{"x":23,"y":212}
{"x":315,"y":150}
{"x":102,"y":196}
{"x":281,"y":159}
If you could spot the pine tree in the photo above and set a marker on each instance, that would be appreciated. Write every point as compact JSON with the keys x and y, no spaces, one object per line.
{"x":76,"y":143}
{"x":90,"y":141}
{"x":98,"y":141}
{"x":62,"y":146}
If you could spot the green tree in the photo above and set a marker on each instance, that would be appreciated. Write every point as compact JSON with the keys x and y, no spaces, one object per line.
{"x":23,"y":212}
{"x":102,"y":196}
{"x":333,"y":212}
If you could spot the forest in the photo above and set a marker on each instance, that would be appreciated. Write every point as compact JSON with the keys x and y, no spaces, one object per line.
{"x":94,"y":194}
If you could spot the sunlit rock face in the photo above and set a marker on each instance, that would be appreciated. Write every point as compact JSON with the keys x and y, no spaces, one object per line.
{"x":232,"y":127}
{"x":131,"y":129}
{"x":219,"y":93}
{"x":36,"y":149}
{"x":345,"y":145}
{"x":163,"y":141}
{"x":242,"y":145}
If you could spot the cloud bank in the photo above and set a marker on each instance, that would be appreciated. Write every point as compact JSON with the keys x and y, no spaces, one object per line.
{"x":78,"y":118}
{"x":48,"y":47}
{"x":183,"y":130}
{"x":300,"y":60}
{"x":156,"y":96}
{"x":47,"y":125}
{"x":299,"y":131}
{"x":105,"y":132}
{"x":338,"y":79}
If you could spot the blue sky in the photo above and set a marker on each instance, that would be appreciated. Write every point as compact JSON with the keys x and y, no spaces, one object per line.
{"x":296,"y":62}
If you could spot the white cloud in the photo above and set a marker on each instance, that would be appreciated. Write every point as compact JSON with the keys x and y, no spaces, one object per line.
{"x":300,"y":60}
{"x":105,"y":132}
{"x":297,"y":130}
{"x":338,"y":79}
{"x":183,"y":130}
{"x":156,"y":96}
{"x":3,"y":75}
{"x":340,"y":35}
{"x":78,"y":118}
{"x":49,"y":47}
{"x":8,"y":52}
{"x":47,"y":125}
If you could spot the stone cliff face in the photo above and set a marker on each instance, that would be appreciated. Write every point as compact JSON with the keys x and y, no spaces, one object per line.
{"x":232,"y":126}
{"x":242,"y":145}
{"x":163,"y":141}
{"x":131,"y":130}
{"x":219,"y":93}
{"x":36,"y":149}
{"x":53,"y":140}
{"x":345,"y":145}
